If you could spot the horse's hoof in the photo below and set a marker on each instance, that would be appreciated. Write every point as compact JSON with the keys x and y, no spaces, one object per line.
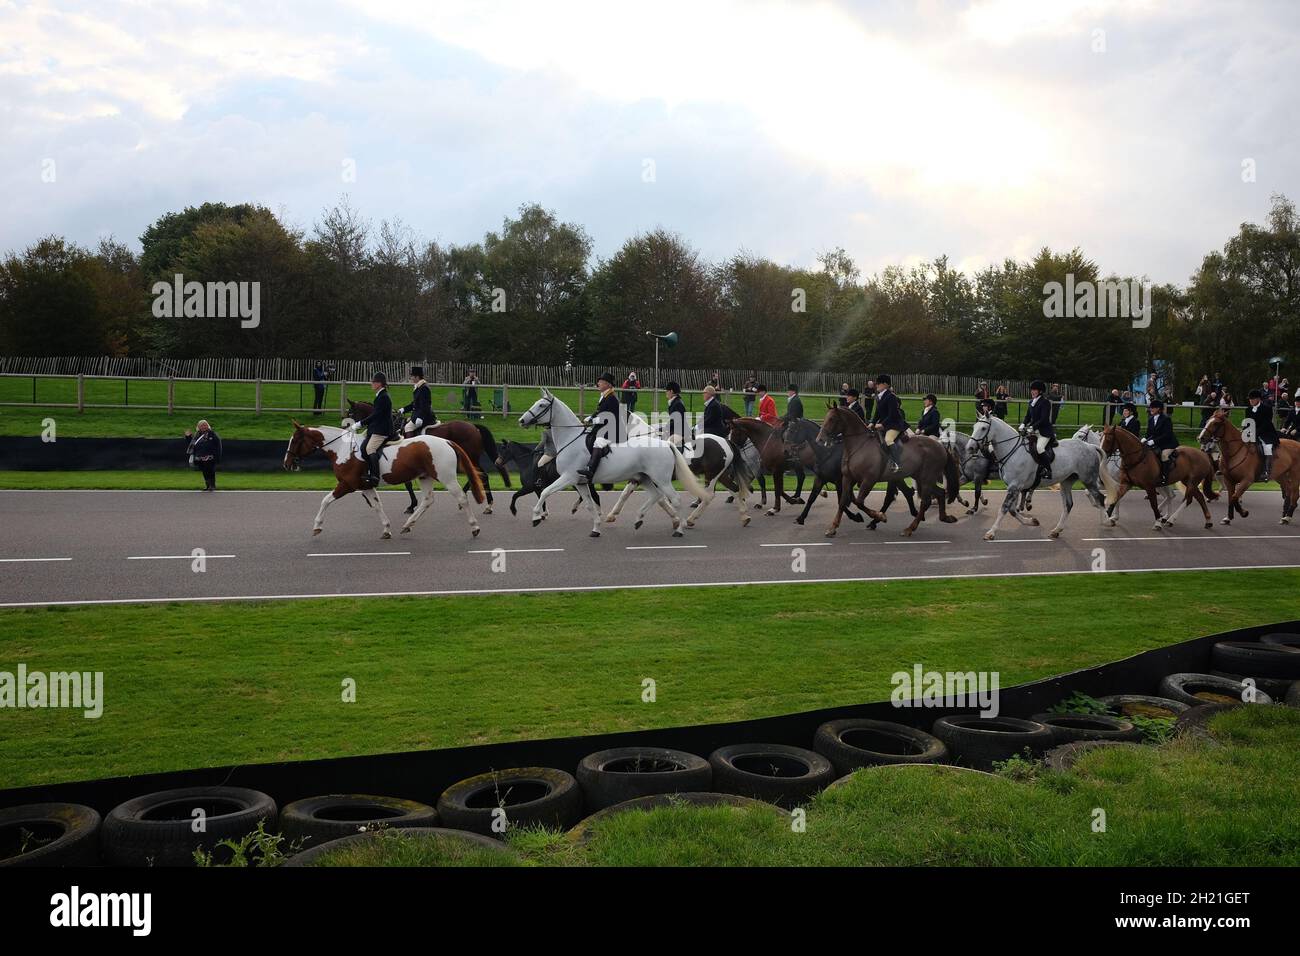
{"x":949,"y":519}
{"x":757,"y":507}
{"x":610,"y":519}
{"x":1244,"y":514}
{"x":1225,"y":521}
{"x":796,"y":500}
{"x":831,"y":533}
{"x":474,"y":532}
{"x":1157,"y":527}
{"x":970,"y":511}
{"x":1209,"y":525}
{"x":388,"y":534}
{"x":988,"y":536}
{"x":770,"y":512}
{"x":690,"y":522}
{"x":905,"y":533}
{"x":1034,"y":522}
{"x":487,"y":510}
{"x":798,"y":521}
{"x":678,"y":534}
{"x":1053,"y":534}
{"x":409,"y":511}
{"x":536,"y":522}
{"x":854,"y":517}
{"x":730,"y":499}
{"x":406,"y":531}
{"x":637,"y":526}
{"x":315,"y":531}
{"x":595,"y":534}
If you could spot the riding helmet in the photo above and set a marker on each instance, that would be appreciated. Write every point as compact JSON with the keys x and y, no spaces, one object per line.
{"x":883,"y":380}
{"x":607,"y":377}
{"x":379,"y":377}
{"x":1038,"y":385}
{"x":417,"y":371}
{"x":1255,"y":393}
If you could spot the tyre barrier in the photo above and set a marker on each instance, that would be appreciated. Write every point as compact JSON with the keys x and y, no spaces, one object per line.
{"x":1197,"y":689}
{"x":1272,"y":686}
{"x":317,"y":820}
{"x":49,"y":834}
{"x":1064,"y":757}
{"x":854,"y":743}
{"x":58,"y":823}
{"x":1256,"y":659}
{"x":938,"y":769}
{"x":158,"y":829}
{"x":777,"y":773}
{"x":624,"y":773}
{"x":312,"y":857}
{"x":1196,"y":719}
{"x":584,"y":830}
{"x":981,"y":742}
{"x":1072,"y":728}
{"x":493,"y":802}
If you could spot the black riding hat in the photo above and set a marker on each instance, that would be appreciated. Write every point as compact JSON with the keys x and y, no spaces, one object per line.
{"x":1038,"y":385}
{"x":379,"y":377}
{"x":853,"y":393}
{"x":1155,"y":403}
{"x":605,"y":377}
{"x":930,"y":398}
{"x":417,"y":371}
{"x":1129,"y":406}
{"x":883,"y":380}
{"x":673,"y":387}
{"x":1255,"y":393}
{"x":792,"y":387}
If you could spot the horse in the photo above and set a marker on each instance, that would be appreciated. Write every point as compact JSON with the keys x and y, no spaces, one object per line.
{"x":652,"y":461}
{"x":973,"y":463}
{"x":476,"y":439}
{"x":866,"y":462}
{"x":424,"y":456}
{"x":1086,"y":435}
{"x":1009,"y":448}
{"x":533,"y":477}
{"x":1140,"y":465}
{"x":824,"y":462}
{"x":716,"y":460}
{"x":771,"y":459}
{"x":1240,"y":463}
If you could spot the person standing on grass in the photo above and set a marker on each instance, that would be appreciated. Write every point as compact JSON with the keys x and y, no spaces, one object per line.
{"x":751,"y":394}
{"x":205,"y":451}
{"x":630,"y":385}
{"x":469,"y":393}
{"x":1000,"y":401}
{"x":319,"y":377}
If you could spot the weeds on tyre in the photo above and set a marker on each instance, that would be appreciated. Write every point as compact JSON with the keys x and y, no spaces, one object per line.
{"x":256,"y":848}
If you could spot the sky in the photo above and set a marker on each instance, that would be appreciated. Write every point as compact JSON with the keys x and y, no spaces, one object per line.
{"x":1142,"y":132}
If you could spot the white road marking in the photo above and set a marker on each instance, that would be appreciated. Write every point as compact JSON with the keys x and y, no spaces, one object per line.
{"x":800,"y":544}
{"x":173,"y":557}
{"x":923,"y":541}
{"x":662,"y":547}
{"x":1200,"y":537}
{"x":628,"y":587}
{"x":968,"y":557}
{"x":354,"y":554}
{"x":25,"y":560}
{"x":515,"y":551}
{"x":1022,"y":541}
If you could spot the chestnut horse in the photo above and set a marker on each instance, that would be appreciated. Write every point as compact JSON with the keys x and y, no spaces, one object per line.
{"x":1139,"y":465}
{"x":772,"y":455}
{"x":424,"y":456}
{"x":477,"y":441}
{"x":1240,"y":461}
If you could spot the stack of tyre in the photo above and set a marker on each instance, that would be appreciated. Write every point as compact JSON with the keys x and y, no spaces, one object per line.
{"x":166,"y":828}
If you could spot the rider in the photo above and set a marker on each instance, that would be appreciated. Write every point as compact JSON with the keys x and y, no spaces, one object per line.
{"x":767,"y":407}
{"x":677,"y":427}
{"x":888,"y":418}
{"x":715,"y":420}
{"x":793,"y":403}
{"x":421,"y":407}
{"x":853,"y":398}
{"x":379,"y":428}
{"x":1291,"y":428}
{"x":928,"y":423}
{"x":1038,"y":416}
{"x":1130,"y":420}
{"x":1161,"y":437}
{"x":608,"y":422}
{"x":1261,"y":413}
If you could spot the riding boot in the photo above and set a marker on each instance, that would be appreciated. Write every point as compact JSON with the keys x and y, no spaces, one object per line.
{"x":1268,"y":468}
{"x":896,"y":456}
{"x":597,"y":453}
{"x":372,"y":468}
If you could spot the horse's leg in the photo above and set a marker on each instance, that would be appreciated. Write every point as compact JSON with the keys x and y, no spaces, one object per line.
{"x":710,"y":492}
{"x":622,"y":500}
{"x":798,"y":487}
{"x":778,"y":491}
{"x":841,"y":495}
{"x":561,"y":481}
{"x":762,"y":489}
{"x":670,"y":501}
{"x":424,"y":506}
{"x":373,"y":497}
{"x":1008,"y":507}
{"x":818,"y":483}
{"x":909,"y":495}
{"x":1124,"y":486}
{"x":1154,"y":502}
{"x":923,"y":489}
{"x":410,"y":490}
{"x":652,"y":497}
{"x":1067,"y":505}
{"x":338,"y":492}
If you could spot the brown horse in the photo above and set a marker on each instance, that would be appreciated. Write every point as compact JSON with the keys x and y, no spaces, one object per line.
{"x":1240,"y":461}
{"x":866,"y":463}
{"x":1140,"y":466}
{"x":477,"y":441}
{"x":771,"y":453}
{"x":424,"y":456}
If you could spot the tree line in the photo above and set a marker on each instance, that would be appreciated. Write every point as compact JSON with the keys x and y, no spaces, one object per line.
{"x":532,"y":292}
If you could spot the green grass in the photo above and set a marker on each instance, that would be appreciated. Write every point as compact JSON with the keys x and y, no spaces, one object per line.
{"x":190,"y":685}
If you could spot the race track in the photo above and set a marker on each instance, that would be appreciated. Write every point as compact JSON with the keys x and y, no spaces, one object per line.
{"x":71,"y":547}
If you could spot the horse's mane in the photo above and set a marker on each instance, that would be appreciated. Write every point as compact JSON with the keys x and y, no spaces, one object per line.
{"x":856,"y":426}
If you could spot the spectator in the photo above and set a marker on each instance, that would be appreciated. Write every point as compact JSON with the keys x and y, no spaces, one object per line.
{"x":205,"y":452}
{"x":1000,"y":401}
{"x":869,"y":400}
{"x":630,"y":385}
{"x":1217,"y":383}
{"x":319,"y":376}
{"x":1113,"y":405}
{"x":1291,"y":425}
{"x":469,"y":393}
{"x":1208,"y":405}
{"x":1203,"y":388}
{"x":982,"y":392}
{"x":1056,"y":399}
{"x":751,"y":394}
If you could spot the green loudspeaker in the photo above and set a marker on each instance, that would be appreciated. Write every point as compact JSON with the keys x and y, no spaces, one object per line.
{"x":670,"y":339}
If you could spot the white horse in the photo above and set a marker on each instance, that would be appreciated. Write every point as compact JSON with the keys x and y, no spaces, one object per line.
{"x":1087,"y":435}
{"x":715,"y":466}
{"x":1074,"y":459}
{"x":651,"y":461}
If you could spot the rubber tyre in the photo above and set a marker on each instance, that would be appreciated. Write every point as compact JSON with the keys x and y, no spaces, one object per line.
{"x":873,"y":743}
{"x":982,"y":741}
{"x":1257,"y":659}
{"x":607,"y":776}
{"x":1072,"y":728}
{"x":1143,"y":705}
{"x":583,"y":831}
{"x":780,"y":774}
{"x":72,"y":831}
{"x":154,"y":830}
{"x":1270,"y":685}
{"x":1292,"y":698}
{"x":1064,"y":757}
{"x":316,"y":820}
{"x":309,"y":857}
{"x":1285,"y":638}
{"x":937,"y":769}
{"x":1196,"y":720}
{"x":533,"y":797}
{"x":1185,"y":687}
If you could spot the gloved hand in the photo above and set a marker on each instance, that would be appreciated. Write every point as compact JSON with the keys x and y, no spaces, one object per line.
{"x":1150,"y":441}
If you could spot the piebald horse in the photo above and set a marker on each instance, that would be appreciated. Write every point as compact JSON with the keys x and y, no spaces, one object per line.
{"x":423,"y":456}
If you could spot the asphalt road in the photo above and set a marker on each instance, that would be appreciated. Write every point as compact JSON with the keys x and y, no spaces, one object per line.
{"x":71,"y":547}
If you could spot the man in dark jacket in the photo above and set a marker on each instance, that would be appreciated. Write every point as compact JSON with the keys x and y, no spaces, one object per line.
{"x":1130,"y":419}
{"x":319,"y":377}
{"x":205,"y":449}
{"x":1038,"y":417}
{"x":1260,"y":411}
{"x":1291,"y":424}
{"x":1161,"y":438}
{"x":854,"y":399}
{"x":928,"y":424}
{"x":889,"y":419}
{"x":608,"y":426}
{"x":793,"y":404}
{"x":678,"y":430}
{"x":715,"y":419}
{"x":420,"y":411}
{"x":379,"y":428}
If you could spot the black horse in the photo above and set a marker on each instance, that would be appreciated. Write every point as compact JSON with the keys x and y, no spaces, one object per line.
{"x":532,"y":478}
{"x":824,"y":461}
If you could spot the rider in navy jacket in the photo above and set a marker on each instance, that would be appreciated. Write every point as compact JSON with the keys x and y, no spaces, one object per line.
{"x":1038,"y":416}
{"x":607,"y":424}
{"x":928,"y":424}
{"x":888,"y":417}
{"x":1130,"y":420}
{"x":421,"y":408}
{"x":1161,"y":437}
{"x":1261,"y":413}
{"x":379,"y":427}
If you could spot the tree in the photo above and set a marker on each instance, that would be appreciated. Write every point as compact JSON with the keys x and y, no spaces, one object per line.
{"x":49,"y":304}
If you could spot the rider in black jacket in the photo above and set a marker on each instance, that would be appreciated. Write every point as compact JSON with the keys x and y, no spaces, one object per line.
{"x":1261,"y":413}
{"x":420,"y":411}
{"x":928,"y":424}
{"x":889,"y":418}
{"x":379,"y":428}
{"x":607,"y":426}
{"x":1161,"y":437}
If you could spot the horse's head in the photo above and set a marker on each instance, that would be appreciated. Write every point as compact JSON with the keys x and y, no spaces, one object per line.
{"x":832,"y":428}
{"x":1214,"y":426}
{"x":1083,"y":434}
{"x":539,"y":413}
{"x":983,"y":427}
{"x":1110,"y":439}
{"x":302,"y":443}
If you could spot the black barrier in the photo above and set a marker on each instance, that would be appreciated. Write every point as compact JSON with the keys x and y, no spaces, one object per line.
{"x":122,"y":454}
{"x":423,"y":775}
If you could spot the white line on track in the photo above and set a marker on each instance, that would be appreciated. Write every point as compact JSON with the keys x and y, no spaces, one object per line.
{"x":515,"y":551}
{"x":926,"y":541}
{"x":1200,"y":537}
{"x":628,"y":587}
{"x":26,"y":560}
{"x":968,"y":557}
{"x":173,"y":557}
{"x":1024,"y":541}
{"x":354,"y":554}
{"x":662,"y":547}
{"x":800,"y":544}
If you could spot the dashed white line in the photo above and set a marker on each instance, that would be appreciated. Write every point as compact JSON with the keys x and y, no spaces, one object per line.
{"x":1199,"y":537}
{"x":515,"y":551}
{"x":29,"y":560}
{"x":965,"y":557}
{"x":926,"y":541}
{"x":662,"y":547}
{"x":173,"y":557}
{"x":354,"y":554}
{"x":800,"y":544}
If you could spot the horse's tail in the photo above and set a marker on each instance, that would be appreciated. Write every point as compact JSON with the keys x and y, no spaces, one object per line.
{"x":740,"y":467}
{"x":489,"y":443}
{"x":682,"y":472}
{"x":1111,"y":485}
{"x":952,"y":475}
{"x":470,"y":471}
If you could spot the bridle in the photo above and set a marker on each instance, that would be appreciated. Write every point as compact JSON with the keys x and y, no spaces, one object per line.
{"x":990,"y":445}
{"x":546,"y":423}
{"x":297,"y":459}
